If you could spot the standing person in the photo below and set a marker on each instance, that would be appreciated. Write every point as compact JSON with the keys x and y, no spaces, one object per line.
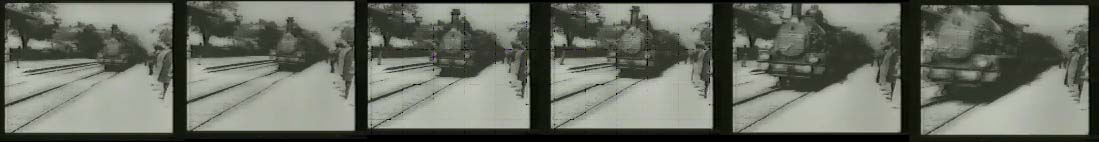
{"x":164,"y":68}
{"x":151,"y":58}
{"x":345,"y":63}
{"x":332,"y":60}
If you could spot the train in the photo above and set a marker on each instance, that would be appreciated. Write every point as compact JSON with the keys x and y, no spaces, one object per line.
{"x":298,"y":48}
{"x":463,"y":51}
{"x":120,"y":51}
{"x":644,"y":52}
{"x":976,"y":47}
{"x":808,"y":52}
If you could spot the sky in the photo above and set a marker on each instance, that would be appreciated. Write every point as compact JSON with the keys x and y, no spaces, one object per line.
{"x":134,"y":18}
{"x":314,"y":16}
{"x":1042,"y":20}
{"x":495,"y":18}
{"x":676,"y":18}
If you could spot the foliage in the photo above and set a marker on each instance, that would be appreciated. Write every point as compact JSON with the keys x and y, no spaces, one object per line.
{"x":576,"y":20}
{"x":393,"y":20}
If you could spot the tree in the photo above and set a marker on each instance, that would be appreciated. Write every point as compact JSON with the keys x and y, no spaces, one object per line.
{"x":753,"y":21}
{"x":164,"y":34}
{"x":1080,"y":41}
{"x":212,"y":18}
{"x":705,"y":30}
{"x":522,"y":36}
{"x":29,"y":21}
{"x":347,"y":32}
{"x":269,"y":35}
{"x":131,"y":42}
{"x":576,"y":20}
{"x":892,"y":40}
{"x":89,"y":41}
{"x":394,"y":20}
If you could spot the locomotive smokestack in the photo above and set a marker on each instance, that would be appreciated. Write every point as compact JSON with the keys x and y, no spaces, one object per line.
{"x":289,"y":24}
{"x":454,"y":14}
{"x":795,"y":10}
{"x":634,"y":11}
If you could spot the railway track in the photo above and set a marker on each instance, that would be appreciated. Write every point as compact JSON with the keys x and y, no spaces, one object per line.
{"x":769,"y":93}
{"x":586,"y":68}
{"x":376,"y":81}
{"x":372,"y":99}
{"x":772,"y":111}
{"x":69,"y":70}
{"x":190,"y":100}
{"x":937,"y":113}
{"x":418,"y":101}
{"x":742,"y":83}
{"x":618,"y":92}
{"x":952,"y":114}
{"x":38,"y":93}
{"x":555,"y":99}
{"x":95,"y":79}
{"x":237,"y":67}
{"x":234,"y":103}
{"x":761,"y":93}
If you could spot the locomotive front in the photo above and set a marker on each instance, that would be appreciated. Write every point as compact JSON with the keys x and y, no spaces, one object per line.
{"x":113,"y":55}
{"x":962,"y":52}
{"x":634,"y":51}
{"x":454,"y":52}
{"x":631,"y":54}
{"x":288,"y":53}
{"x":793,"y":54}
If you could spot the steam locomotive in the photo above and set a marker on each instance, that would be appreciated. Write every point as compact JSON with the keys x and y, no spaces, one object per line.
{"x":463,"y":51}
{"x":298,"y":48}
{"x":120,"y":51}
{"x":809,"y":52}
{"x":975,"y":46}
{"x":643,"y":51}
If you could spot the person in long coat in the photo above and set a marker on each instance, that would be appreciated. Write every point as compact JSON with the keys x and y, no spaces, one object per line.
{"x":162,"y":68}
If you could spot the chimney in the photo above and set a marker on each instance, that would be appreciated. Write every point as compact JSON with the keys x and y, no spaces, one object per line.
{"x":289,"y":24}
{"x":795,"y":10}
{"x":454,"y":14}
{"x":634,"y":11}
